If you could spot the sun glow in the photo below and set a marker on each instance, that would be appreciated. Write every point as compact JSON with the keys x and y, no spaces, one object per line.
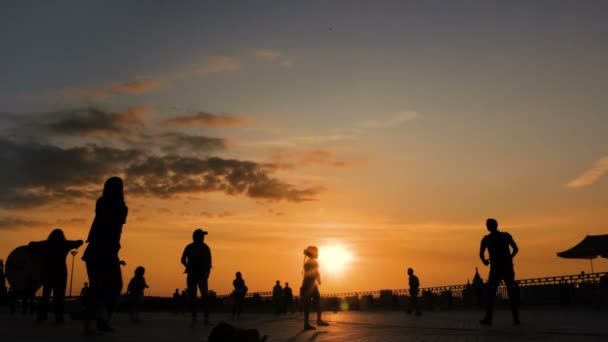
{"x":334,"y":259}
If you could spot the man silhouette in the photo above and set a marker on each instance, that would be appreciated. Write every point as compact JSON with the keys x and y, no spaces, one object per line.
{"x":501,"y":268}
{"x":197,"y":260}
{"x":414,"y":289}
{"x":277,"y":297}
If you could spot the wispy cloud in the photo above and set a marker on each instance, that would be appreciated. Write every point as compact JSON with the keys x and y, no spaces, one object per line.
{"x":590,"y":176}
{"x":215,"y":64}
{"x":320,"y":157}
{"x":273,"y":55}
{"x":208,"y":120}
{"x":347,"y":132}
{"x":393,"y":120}
{"x":92,"y":121}
{"x":137,"y":86}
{"x":11,"y":222}
{"x":268,"y":54}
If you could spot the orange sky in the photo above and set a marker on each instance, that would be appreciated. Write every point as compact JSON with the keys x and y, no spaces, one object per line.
{"x":394,"y":135}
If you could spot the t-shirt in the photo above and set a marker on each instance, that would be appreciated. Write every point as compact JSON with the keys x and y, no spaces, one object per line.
{"x":137,"y":286}
{"x":414,"y":283}
{"x":498,"y":244}
{"x":198,"y":258}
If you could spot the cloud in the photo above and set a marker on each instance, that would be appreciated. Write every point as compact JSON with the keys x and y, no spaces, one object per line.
{"x":216,"y":64}
{"x":208,"y":120}
{"x":174,"y":142}
{"x":136,"y":86}
{"x":267,"y":54}
{"x":273,"y":55}
{"x":320,"y":157}
{"x":394,"y":120}
{"x":10,"y":223}
{"x":37,"y":174}
{"x":92,"y":121}
{"x":347,"y":132}
{"x":169,"y":175}
{"x":590,"y":176}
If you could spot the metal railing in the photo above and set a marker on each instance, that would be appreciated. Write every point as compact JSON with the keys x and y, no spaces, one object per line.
{"x":575,"y":280}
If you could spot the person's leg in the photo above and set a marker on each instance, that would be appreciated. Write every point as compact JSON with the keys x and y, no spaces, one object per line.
{"x":317,"y":300}
{"x":43,"y":306}
{"x":191,"y":286}
{"x":414,"y":301}
{"x":305,"y":296}
{"x":204,"y":288}
{"x":492,"y":286}
{"x":513,"y":292}
{"x":59,"y":297}
{"x":92,"y":303}
{"x":114,"y":288}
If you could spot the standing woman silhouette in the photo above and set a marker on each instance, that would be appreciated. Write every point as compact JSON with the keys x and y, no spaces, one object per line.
{"x":101,"y":255}
{"x":309,"y":292}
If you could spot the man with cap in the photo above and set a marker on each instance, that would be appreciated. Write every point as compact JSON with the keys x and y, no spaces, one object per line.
{"x":197,"y":260}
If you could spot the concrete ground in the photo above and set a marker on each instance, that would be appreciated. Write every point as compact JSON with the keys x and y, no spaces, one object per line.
{"x":546,"y":325}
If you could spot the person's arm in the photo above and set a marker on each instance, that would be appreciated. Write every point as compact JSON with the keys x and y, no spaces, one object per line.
{"x":482,"y":252}
{"x":185,"y":257}
{"x":73,"y":244}
{"x":210,"y":263}
{"x":514,"y":246}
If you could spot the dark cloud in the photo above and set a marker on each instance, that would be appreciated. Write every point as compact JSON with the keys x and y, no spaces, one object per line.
{"x":36,"y":174}
{"x":169,"y":175}
{"x":10,"y":223}
{"x":208,"y":120}
{"x":92,"y":121}
{"x":174,"y":142}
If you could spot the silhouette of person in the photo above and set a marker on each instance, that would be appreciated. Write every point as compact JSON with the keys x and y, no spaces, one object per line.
{"x":287,"y":299}
{"x":501,"y":268}
{"x":3,"y":291}
{"x":54,"y":250}
{"x":135,"y":292}
{"x":239,"y":292}
{"x":177,"y":299}
{"x":84,"y":294}
{"x":197,"y":260}
{"x":414,"y":290}
{"x":277,"y":296}
{"x":101,"y":255}
{"x":309,"y":292}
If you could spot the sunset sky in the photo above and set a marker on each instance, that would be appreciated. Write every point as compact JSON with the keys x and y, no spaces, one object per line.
{"x":384,"y":132}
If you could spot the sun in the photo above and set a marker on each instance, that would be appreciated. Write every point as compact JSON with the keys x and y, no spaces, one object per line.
{"x":334,"y":259}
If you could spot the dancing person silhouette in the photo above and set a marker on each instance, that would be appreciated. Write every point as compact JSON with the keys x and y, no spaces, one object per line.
{"x":101,"y":255}
{"x":135,"y":292}
{"x":239,"y":292}
{"x":53,"y":251}
{"x":501,"y":268}
{"x":309,"y":292}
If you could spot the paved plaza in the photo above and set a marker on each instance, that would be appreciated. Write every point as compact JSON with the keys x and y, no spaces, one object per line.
{"x":459,"y":325}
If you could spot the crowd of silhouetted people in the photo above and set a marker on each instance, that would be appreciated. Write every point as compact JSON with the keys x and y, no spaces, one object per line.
{"x":101,"y":294}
